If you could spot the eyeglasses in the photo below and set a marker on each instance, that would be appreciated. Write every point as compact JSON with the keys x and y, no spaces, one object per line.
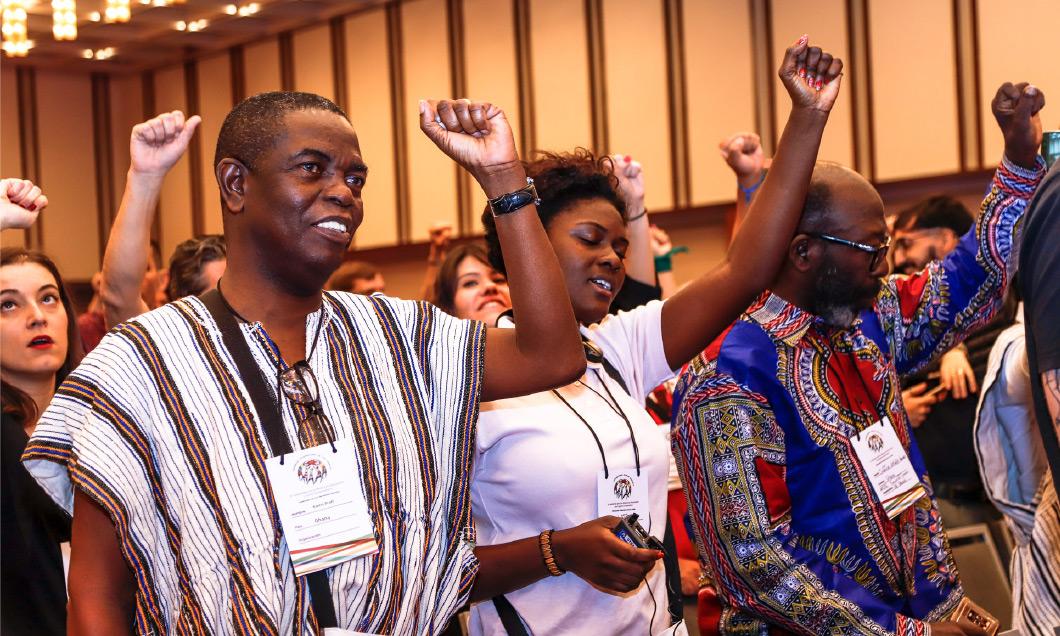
{"x":877,"y":252}
{"x":299,"y":385}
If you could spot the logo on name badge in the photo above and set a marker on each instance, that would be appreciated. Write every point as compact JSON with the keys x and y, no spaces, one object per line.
{"x":311,"y":470}
{"x":623,"y":486}
{"x":875,"y":442}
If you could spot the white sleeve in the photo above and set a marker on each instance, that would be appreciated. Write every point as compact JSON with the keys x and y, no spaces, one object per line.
{"x":632,"y":342}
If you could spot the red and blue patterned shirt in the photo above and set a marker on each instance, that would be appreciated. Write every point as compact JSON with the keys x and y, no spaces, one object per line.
{"x":785,"y":518}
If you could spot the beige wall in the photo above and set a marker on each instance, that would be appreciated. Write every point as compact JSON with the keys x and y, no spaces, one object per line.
{"x":662,"y":80}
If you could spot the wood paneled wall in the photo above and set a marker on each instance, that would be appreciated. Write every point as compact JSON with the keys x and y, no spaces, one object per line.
{"x":661,"y":80}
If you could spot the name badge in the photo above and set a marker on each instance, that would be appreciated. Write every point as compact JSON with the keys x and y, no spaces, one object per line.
{"x":322,"y":509}
{"x":885,"y":462}
{"x":622,"y":492}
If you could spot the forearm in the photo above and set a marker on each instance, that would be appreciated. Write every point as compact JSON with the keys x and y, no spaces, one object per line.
{"x":667,"y":283}
{"x":744,"y":196}
{"x":430,"y":275}
{"x":125,"y":260}
{"x":546,"y":336}
{"x":640,"y":263}
{"x":507,"y":567}
{"x":101,"y":587}
{"x":773,"y":214}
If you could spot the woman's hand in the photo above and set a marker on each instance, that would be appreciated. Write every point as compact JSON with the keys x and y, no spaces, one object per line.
{"x":20,"y":203}
{"x":630,"y":177}
{"x":811,"y":76}
{"x":956,"y":374}
{"x":477,"y":136}
{"x":744,"y":155}
{"x":594,"y":553}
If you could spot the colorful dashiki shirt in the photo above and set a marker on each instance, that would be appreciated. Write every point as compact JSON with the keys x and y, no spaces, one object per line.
{"x":785,"y":518}
{"x":158,"y":428}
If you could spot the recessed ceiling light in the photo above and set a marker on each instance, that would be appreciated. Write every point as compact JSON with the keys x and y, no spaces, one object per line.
{"x":95,"y":16}
{"x":231,"y":9}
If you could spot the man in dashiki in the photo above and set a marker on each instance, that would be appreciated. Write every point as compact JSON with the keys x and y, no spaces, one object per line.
{"x":794,"y":520}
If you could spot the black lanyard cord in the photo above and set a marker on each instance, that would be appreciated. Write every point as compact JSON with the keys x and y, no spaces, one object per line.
{"x":617,"y":409}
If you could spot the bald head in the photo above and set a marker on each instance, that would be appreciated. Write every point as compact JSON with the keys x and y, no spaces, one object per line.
{"x":839,"y":199}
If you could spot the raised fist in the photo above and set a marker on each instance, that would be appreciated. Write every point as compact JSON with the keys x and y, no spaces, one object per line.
{"x":630,"y":181}
{"x":440,"y":235}
{"x":810,"y":75}
{"x":660,"y":242}
{"x":20,"y":203}
{"x":476,"y":135}
{"x":743,"y":152}
{"x":1016,"y":110}
{"x":158,"y":143}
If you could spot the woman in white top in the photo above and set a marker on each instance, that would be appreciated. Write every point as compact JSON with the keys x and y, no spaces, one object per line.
{"x":551,"y":466}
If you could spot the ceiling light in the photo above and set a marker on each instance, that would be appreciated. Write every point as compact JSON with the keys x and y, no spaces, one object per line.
{"x":117,"y":11}
{"x":249,"y":9}
{"x":231,"y":9}
{"x":14,"y":30}
{"x":193,"y":26}
{"x":95,"y":16}
{"x":64,"y":19}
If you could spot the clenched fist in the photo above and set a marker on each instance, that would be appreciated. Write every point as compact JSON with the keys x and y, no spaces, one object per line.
{"x":810,"y":75}
{"x":1016,"y":108}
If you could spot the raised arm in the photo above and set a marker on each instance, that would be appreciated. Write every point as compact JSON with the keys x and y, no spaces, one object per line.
{"x":154,"y":147}
{"x":545,"y":349}
{"x":929,"y":312}
{"x":440,"y":236}
{"x":20,"y":203}
{"x":640,"y":266}
{"x":693,"y":317}
{"x":743,"y":153}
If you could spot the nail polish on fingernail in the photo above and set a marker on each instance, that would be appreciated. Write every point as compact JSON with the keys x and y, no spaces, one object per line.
{"x":819,"y":84}
{"x":32,"y":207}
{"x":802,"y":72}
{"x":628,"y":158}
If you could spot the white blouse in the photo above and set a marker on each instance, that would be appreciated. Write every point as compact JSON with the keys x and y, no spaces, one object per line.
{"x":536,"y":468}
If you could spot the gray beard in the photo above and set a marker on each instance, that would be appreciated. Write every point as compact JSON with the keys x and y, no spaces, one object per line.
{"x":833,"y":299}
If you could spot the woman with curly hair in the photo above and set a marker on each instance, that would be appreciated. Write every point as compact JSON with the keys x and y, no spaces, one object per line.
{"x":555,"y":470}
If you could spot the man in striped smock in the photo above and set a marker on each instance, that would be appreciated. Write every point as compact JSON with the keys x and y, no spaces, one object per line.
{"x":158,"y":446}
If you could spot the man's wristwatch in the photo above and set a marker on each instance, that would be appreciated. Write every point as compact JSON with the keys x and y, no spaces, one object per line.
{"x":508,"y":203}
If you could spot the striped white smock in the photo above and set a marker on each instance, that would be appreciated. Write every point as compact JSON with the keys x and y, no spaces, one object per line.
{"x":156,"y":426}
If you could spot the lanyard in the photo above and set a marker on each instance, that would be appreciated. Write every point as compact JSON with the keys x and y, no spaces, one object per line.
{"x":613,"y":403}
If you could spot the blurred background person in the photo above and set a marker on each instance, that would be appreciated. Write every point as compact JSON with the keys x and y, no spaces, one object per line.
{"x":357,"y":277}
{"x":468,"y":287}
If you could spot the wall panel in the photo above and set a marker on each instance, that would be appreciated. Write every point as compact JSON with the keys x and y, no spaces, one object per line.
{"x":66,"y":156}
{"x":432,"y":182}
{"x":313,"y":67}
{"x":637,"y":105}
{"x":10,"y":151}
{"x":491,"y":72}
{"x":826,"y":23}
{"x":720,"y":96}
{"x":560,"y":61}
{"x":1017,"y":44}
{"x":369,"y":108}
{"x":174,"y":208}
{"x":262,"y":66}
{"x":126,"y":110}
{"x":911,"y":45}
{"x":215,"y":100}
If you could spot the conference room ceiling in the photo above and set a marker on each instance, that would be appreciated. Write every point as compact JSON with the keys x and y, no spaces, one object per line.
{"x":151,"y":37}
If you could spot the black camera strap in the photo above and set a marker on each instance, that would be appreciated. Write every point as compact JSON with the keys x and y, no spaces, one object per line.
{"x":513,"y":625}
{"x":271,"y":423}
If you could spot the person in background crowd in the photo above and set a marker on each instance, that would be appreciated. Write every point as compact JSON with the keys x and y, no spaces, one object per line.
{"x":92,"y":324}
{"x":39,"y":346}
{"x":942,"y":419}
{"x":357,"y":277}
{"x":769,"y":420}
{"x":548,"y":557}
{"x":159,"y":412}
{"x":1012,"y":462}
{"x":155,"y":146}
{"x":466,"y":286}
{"x":1039,"y":285}
{"x":439,"y":239}
{"x":196,"y":266}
